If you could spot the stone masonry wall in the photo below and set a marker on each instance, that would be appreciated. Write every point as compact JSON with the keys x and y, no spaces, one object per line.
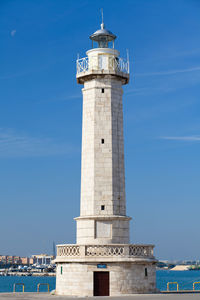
{"x":102,"y":179}
{"x":125,"y":278}
{"x":102,"y":232}
{"x":102,"y":170}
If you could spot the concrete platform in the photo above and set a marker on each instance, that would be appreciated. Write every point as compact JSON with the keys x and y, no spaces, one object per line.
{"x":46,"y":296}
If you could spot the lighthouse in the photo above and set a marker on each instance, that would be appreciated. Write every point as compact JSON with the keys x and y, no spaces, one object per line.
{"x":103,"y":262}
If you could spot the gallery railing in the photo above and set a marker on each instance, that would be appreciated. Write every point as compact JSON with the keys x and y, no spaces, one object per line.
{"x":102,"y":62}
{"x":143,"y":251}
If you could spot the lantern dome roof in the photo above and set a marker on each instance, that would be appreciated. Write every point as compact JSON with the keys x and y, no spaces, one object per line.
{"x":103,"y":34}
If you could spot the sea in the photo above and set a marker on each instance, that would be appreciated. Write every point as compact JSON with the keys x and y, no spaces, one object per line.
{"x":185,"y":280}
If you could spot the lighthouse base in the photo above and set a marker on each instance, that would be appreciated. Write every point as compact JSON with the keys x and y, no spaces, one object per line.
{"x":98,"y":276}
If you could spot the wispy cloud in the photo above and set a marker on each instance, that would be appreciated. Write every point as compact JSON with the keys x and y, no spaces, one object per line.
{"x":147,"y":112}
{"x":150,"y":90}
{"x":13,"y":144}
{"x":14,"y":75}
{"x":170,"y":72}
{"x":60,"y":98}
{"x":168,"y":56}
{"x":65,"y":97}
{"x":13,"y":32}
{"x":193,"y":138}
{"x":157,"y":83}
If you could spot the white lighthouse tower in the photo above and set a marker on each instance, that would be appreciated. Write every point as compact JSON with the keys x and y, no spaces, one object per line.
{"x":103,"y":262}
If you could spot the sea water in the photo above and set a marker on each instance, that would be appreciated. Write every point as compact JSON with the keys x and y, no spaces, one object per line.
{"x":185,"y":280}
{"x":30,"y":283}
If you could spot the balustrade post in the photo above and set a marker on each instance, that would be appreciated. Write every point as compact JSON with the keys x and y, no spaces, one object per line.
{"x":126,"y":251}
{"x":82,"y":249}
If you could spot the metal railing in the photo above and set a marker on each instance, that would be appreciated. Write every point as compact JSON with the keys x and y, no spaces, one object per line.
{"x":181,"y":290}
{"x":23,"y":286}
{"x":82,"y":65}
{"x":111,"y":63}
{"x":15,"y":284}
{"x":195,"y":283}
{"x":169,"y":283}
{"x":39,"y":284}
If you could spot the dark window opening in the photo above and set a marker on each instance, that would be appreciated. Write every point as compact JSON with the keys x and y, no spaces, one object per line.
{"x":102,"y":207}
{"x":102,"y":141}
{"x":102,"y":90}
{"x":145,"y":270}
{"x":61,"y":270}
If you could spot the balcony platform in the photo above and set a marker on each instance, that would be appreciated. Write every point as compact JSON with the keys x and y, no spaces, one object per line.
{"x":90,"y":74}
{"x":104,"y":64}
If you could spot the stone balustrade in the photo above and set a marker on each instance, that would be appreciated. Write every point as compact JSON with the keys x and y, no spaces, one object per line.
{"x":122,"y":251}
{"x":68,"y":250}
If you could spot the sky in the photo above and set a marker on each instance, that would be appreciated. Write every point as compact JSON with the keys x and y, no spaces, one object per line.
{"x":41,"y":116}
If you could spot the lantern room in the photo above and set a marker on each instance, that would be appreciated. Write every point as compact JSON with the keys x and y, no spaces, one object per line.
{"x":103,"y":37}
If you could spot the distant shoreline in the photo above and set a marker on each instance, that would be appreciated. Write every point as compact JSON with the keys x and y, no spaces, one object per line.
{"x":23,"y":274}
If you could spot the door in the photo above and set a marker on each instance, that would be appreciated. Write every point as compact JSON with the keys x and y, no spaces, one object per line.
{"x":101,"y":283}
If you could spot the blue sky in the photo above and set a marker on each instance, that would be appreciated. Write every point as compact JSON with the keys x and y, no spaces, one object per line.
{"x":41,"y":112}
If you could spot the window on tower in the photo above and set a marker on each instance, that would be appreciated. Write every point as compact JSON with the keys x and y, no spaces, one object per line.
{"x":102,"y":90}
{"x":102,"y":141}
{"x":146,"y":273}
{"x":102,"y":207}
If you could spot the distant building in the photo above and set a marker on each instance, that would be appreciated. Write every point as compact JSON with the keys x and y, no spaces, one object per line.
{"x":15,"y":260}
{"x":25,"y":260}
{"x":30,"y":261}
{"x":3,"y":259}
{"x":42,"y":259}
{"x":9,"y":259}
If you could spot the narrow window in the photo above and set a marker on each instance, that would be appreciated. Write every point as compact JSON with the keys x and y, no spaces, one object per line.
{"x":61,"y":270}
{"x":102,"y":207}
{"x":102,"y":90}
{"x":102,"y":141}
{"x":145,"y":270}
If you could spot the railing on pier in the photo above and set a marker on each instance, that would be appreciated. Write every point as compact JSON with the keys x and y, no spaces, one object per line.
{"x":131,"y":251}
{"x":15,"y":284}
{"x":176,"y":283}
{"x":181,"y":288}
{"x":195,"y":283}
{"x":39,"y":284}
{"x":102,"y":62}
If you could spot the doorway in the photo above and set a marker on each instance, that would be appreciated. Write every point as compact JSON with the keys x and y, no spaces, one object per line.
{"x":101,"y":283}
